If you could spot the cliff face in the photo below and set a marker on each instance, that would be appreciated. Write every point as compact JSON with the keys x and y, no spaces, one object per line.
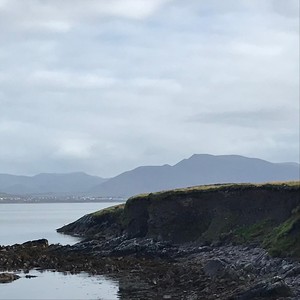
{"x":106,"y":223}
{"x":207,"y":213}
{"x":266,"y":213}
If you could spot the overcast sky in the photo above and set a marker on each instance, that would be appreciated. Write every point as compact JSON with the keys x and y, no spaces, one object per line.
{"x":103,"y":86}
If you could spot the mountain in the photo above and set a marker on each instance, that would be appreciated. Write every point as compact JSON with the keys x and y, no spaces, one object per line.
{"x":196,"y":170}
{"x":70,"y":183}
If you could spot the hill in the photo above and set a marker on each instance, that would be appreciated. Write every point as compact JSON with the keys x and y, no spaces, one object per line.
{"x":72,"y":183}
{"x":265,"y":214}
{"x":197,"y":170}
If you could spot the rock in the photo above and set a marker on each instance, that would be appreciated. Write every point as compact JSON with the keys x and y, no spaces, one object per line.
{"x":30,"y":276}
{"x":249,"y":268}
{"x":143,"y":247}
{"x":36,"y":243}
{"x":293,"y":272}
{"x":273,"y":289}
{"x":214,"y":268}
{"x":8,"y":277}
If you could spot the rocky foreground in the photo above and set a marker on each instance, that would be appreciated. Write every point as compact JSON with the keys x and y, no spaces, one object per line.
{"x":147,"y":269}
{"x":234,"y":242}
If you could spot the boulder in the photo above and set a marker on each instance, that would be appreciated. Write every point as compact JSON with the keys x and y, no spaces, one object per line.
{"x":214,"y":268}
{"x":8,"y":277}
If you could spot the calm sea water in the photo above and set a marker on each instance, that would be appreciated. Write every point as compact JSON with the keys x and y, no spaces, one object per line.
{"x":22,"y":222}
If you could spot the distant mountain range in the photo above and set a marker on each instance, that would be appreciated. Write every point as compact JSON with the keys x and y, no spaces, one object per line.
{"x":71,"y":183}
{"x":196,"y":170}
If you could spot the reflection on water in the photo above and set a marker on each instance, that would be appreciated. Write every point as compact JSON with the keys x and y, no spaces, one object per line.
{"x":23,"y":222}
{"x":55,"y":285}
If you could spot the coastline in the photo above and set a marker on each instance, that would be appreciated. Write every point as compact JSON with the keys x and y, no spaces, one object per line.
{"x":149,"y":269}
{"x":143,"y":244}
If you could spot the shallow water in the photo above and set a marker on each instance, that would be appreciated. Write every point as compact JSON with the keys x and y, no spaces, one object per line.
{"x":55,"y":285}
{"x":23,"y":222}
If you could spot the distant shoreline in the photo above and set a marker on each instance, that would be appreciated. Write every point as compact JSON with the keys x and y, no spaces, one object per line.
{"x":61,"y":201}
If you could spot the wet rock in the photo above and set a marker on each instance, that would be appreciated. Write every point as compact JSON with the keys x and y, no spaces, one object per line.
{"x":8,"y":277}
{"x":30,"y":276}
{"x":36,"y":243}
{"x":214,"y":268}
{"x":273,"y":289}
{"x":143,"y":247}
{"x":293,"y":272}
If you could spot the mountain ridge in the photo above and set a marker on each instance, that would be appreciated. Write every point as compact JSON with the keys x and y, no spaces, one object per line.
{"x":196,"y":170}
{"x":66,"y":183}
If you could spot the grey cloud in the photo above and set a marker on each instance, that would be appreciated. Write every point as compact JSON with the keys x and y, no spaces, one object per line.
{"x":252,"y":119}
{"x":61,"y":16}
{"x":103,"y":89}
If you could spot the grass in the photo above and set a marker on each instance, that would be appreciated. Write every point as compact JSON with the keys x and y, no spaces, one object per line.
{"x":219,"y":187}
{"x":116,"y":209}
{"x":254,"y":233}
{"x":284,"y":240}
{"x":114,"y":214}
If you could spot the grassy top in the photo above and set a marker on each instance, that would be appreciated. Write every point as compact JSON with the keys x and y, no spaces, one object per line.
{"x":222,"y":187}
{"x":109,"y":210}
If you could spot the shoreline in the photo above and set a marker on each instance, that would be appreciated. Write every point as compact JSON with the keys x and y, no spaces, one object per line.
{"x":231,"y":242}
{"x":147,"y":269}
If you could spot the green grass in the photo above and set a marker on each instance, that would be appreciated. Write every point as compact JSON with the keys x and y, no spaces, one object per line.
{"x":284,"y":240}
{"x":115,"y":210}
{"x":254,"y":233}
{"x":113,"y":213}
{"x":219,"y":187}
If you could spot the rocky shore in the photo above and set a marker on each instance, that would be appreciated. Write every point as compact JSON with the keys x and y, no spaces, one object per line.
{"x":202,"y":243}
{"x":148,"y":269}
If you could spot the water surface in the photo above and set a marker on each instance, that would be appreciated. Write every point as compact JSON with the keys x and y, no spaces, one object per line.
{"x":55,"y":285}
{"x":29,"y":221}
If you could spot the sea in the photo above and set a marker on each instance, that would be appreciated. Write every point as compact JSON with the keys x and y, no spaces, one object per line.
{"x":30,"y":221}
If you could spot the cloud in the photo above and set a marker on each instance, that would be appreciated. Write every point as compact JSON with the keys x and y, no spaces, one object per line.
{"x":255,"y":118}
{"x":104,"y":86}
{"x":67,"y":80}
{"x":73,"y":148}
{"x":62,"y":16}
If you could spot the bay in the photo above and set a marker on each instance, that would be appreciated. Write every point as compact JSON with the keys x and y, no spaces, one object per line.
{"x":29,"y":221}
{"x":20,"y":223}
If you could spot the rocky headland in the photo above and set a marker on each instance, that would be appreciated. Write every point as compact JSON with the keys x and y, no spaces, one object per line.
{"x":234,"y":241}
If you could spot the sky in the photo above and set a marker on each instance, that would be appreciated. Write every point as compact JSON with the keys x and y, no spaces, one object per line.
{"x":105,"y":86}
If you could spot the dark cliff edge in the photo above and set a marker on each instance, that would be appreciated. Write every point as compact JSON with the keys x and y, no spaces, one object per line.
{"x":265,"y":214}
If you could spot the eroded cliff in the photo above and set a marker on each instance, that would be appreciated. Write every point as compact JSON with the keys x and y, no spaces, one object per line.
{"x":264,"y":213}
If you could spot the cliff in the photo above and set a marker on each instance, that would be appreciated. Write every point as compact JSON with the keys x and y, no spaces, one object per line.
{"x":263,"y":213}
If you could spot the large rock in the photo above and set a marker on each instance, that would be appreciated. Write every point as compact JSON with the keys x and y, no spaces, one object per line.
{"x":8,"y":277}
{"x":103,"y":224}
{"x":214,"y":268}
